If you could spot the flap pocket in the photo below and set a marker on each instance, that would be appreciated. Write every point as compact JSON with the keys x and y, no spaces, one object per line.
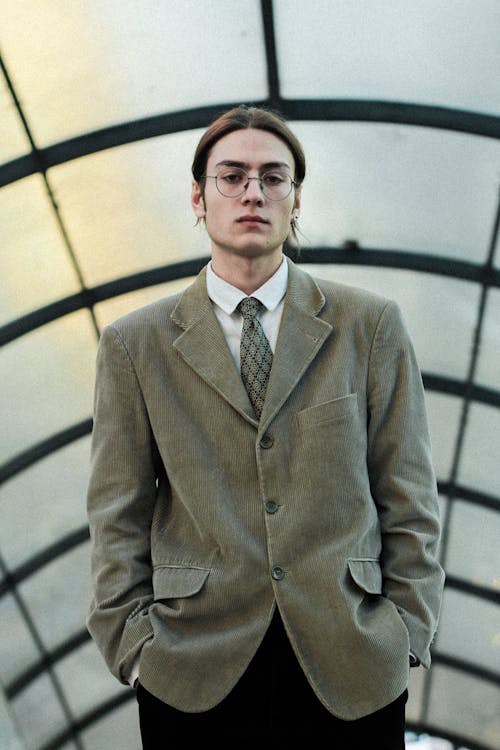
{"x":367,"y":574}
{"x":329,"y":411}
{"x":176,"y":581}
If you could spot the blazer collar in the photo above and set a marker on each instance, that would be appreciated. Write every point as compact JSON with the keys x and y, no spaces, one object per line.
{"x":204,"y":348}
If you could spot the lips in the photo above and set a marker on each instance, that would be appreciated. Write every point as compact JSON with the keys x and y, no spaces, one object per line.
{"x":252,"y":219}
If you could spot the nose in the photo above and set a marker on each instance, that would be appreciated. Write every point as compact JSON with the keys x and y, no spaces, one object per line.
{"x":253,"y":191}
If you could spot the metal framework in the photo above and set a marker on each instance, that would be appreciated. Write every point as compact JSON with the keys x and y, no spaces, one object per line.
{"x":40,"y":160}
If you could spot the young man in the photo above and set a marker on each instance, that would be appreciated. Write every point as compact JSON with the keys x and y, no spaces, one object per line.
{"x":262,"y":503}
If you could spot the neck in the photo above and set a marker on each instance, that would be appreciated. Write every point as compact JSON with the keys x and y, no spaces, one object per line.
{"x":246,"y":273}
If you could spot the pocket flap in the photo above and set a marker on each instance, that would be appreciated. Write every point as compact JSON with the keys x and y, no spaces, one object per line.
{"x":330,"y":411}
{"x":175,"y":581}
{"x":367,"y":574}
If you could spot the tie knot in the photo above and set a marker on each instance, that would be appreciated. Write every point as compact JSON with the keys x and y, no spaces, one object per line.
{"x":249,"y":307}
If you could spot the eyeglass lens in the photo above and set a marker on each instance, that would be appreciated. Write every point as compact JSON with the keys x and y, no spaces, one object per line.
{"x":233,"y":181}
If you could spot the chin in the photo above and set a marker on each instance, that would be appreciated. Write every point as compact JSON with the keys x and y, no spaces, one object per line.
{"x":261,"y":252}
{"x":261,"y":247}
{"x":252,"y":250}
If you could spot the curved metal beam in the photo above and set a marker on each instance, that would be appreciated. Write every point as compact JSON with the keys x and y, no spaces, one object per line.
{"x":30,"y":674}
{"x":327,"y":110}
{"x":435,"y":383}
{"x":89,"y":718}
{"x":44,"y":448}
{"x":398,"y":259}
{"x":45,"y":557}
{"x":89,"y":297}
{"x":460,"y":492}
{"x":393,"y":112}
{"x":352,"y":254}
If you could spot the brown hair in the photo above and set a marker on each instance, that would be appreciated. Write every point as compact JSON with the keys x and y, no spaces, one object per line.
{"x":240,"y":118}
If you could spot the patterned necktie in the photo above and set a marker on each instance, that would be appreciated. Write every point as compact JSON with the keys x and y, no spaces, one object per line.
{"x":255,"y":354}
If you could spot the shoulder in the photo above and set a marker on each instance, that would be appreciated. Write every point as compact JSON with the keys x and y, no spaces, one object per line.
{"x":149,"y":314}
{"x":374,"y":320}
{"x":340,"y":304}
{"x":140,"y":331}
{"x":346,"y":293}
{"x":346,"y":302}
{"x":372,"y":317}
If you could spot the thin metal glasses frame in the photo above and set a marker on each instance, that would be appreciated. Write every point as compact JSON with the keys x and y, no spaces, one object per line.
{"x":260,"y":179}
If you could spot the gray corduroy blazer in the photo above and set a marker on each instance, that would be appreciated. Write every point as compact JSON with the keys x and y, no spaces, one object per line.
{"x":203,"y":519}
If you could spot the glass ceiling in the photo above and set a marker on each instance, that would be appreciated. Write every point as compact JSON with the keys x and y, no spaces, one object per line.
{"x":397,"y":104}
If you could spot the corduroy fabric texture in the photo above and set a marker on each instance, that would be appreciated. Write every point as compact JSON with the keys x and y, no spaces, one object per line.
{"x":204,"y":519}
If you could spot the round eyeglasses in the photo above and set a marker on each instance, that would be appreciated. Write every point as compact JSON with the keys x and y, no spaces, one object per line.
{"x":232,"y":182}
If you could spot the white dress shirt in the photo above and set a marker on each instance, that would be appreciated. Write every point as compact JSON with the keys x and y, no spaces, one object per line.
{"x":226,"y":299}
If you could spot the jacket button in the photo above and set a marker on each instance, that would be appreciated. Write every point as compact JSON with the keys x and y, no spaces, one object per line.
{"x":271,"y":506}
{"x":266,"y":441}
{"x":278,"y":573}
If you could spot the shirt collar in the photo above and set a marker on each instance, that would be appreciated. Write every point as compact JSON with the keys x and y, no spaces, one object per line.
{"x":228,"y":297}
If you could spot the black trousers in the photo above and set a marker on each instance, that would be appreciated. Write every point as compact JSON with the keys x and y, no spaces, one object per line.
{"x":272,"y":701}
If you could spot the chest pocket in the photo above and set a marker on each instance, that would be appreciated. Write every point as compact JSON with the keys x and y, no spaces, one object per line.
{"x":330,"y":411}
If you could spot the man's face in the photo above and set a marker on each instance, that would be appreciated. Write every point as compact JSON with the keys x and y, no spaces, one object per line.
{"x":250,"y":225}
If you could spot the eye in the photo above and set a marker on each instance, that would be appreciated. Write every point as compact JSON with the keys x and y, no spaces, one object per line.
{"x":273,"y":179}
{"x":231,"y":176}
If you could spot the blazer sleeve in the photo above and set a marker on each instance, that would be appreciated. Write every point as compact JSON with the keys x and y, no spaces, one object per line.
{"x":120,"y":503}
{"x":403,"y":482}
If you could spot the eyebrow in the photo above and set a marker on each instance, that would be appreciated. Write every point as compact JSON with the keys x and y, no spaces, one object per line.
{"x":245,"y":165}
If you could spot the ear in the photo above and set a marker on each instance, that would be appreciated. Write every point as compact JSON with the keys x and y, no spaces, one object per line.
{"x":197,"y":200}
{"x":298,"y":197}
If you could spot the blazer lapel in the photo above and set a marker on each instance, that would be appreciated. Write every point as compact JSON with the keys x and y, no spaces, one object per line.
{"x":203,"y":346}
{"x":301,"y":336}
